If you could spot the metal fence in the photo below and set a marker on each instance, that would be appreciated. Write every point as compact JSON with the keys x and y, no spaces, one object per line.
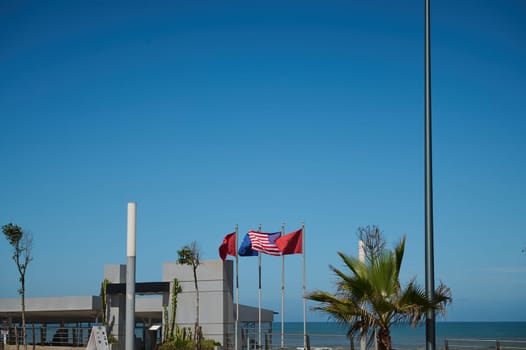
{"x":78,"y":336}
{"x":311,"y":341}
{"x":484,"y":344}
{"x":51,"y":335}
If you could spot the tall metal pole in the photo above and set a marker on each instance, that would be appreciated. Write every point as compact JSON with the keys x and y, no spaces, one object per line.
{"x":130,"y":278}
{"x":282,"y":293}
{"x":259,"y":297}
{"x":304,"y":286}
{"x":430,"y":268}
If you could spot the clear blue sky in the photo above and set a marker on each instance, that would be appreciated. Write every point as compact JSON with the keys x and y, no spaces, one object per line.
{"x":210,"y":114}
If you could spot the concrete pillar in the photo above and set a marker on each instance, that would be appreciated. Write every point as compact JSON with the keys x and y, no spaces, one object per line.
{"x":117,"y":305}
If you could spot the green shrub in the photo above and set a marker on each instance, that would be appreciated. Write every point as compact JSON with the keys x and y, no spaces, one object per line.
{"x":208,"y":344}
{"x":188,"y":344}
{"x":169,"y":345}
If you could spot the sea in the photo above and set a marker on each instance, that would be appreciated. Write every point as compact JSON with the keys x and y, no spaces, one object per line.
{"x":459,"y":335}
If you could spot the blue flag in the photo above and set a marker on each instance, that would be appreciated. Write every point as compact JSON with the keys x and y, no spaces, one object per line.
{"x":245,"y":249}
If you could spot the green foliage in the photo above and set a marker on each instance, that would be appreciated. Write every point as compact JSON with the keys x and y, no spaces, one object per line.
{"x":183,"y":334}
{"x":13,"y":233}
{"x":189,"y":255}
{"x":369,"y":296}
{"x":112,"y":339}
{"x":208,"y":344}
{"x":104,"y":300}
{"x":176,"y":345}
{"x":22,"y":243}
{"x":183,"y":340}
{"x":179,"y":338}
{"x":167,"y":335}
{"x":184,"y":344}
{"x":176,"y":290}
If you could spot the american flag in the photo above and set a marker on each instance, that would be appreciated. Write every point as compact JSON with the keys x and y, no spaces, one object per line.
{"x":265,"y":242}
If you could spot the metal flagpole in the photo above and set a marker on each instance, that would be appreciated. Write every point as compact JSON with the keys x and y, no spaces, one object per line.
{"x":429,"y":261}
{"x":304,"y":289}
{"x":282,"y":293}
{"x":237,"y":296}
{"x":259,"y":296}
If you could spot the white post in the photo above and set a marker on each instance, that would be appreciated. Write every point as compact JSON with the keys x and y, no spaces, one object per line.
{"x":130,"y":277}
{"x":361,"y":251}
{"x":361,"y":257}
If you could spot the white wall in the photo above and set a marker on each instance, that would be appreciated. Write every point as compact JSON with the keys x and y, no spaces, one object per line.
{"x":215,"y":283}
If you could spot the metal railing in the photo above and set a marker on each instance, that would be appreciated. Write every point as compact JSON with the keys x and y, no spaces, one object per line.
{"x":313,"y":341}
{"x":484,"y":344}
{"x":50,"y":335}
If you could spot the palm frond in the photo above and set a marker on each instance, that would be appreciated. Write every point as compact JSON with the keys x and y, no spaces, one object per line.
{"x":340,"y":309}
{"x":413,"y":304}
{"x":355,"y":265}
{"x":399,"y":256}
{"x":442,"y":298}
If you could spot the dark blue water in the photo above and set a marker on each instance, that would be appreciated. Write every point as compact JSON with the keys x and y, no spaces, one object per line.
{"x":403,"y":337}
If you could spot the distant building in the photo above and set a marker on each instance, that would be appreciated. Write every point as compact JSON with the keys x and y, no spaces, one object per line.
{"x":67,"y":321}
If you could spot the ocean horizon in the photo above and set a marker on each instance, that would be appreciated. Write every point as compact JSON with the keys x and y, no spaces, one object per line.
{"x":331,"y":334}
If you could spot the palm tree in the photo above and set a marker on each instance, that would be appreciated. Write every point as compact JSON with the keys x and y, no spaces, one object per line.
{"x":190,"y":255}
{"x":370,"y":298}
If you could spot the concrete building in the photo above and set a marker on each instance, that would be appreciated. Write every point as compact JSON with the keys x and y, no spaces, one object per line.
{"x":66,"y":321}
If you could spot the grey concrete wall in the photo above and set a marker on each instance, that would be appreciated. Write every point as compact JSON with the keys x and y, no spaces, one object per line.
{"x":117,"y":305}
{"x":65,"y":304}
{"x":215,"y":283}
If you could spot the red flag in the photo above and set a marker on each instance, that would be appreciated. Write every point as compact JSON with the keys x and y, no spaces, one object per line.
{"x":228,"y":247}
{"x":291,"y":243}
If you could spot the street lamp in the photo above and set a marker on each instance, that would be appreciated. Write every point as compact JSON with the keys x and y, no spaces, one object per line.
{"x":429,"y":255}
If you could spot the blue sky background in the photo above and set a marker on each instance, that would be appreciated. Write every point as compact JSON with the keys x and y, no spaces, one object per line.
{"x":210,"y":114}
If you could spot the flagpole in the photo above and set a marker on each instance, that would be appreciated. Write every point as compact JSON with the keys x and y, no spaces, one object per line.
{"x":282,"y":293}
{"x":259,"y":297}
{"x":304,"y":289}
{"x":237,"y":296}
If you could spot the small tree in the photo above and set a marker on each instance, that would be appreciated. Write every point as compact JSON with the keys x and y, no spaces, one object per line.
{"x":190,"y":255}
{"x":22,"y":242}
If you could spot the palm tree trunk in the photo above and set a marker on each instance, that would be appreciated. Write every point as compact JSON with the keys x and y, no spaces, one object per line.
{"x":384,"y":339}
